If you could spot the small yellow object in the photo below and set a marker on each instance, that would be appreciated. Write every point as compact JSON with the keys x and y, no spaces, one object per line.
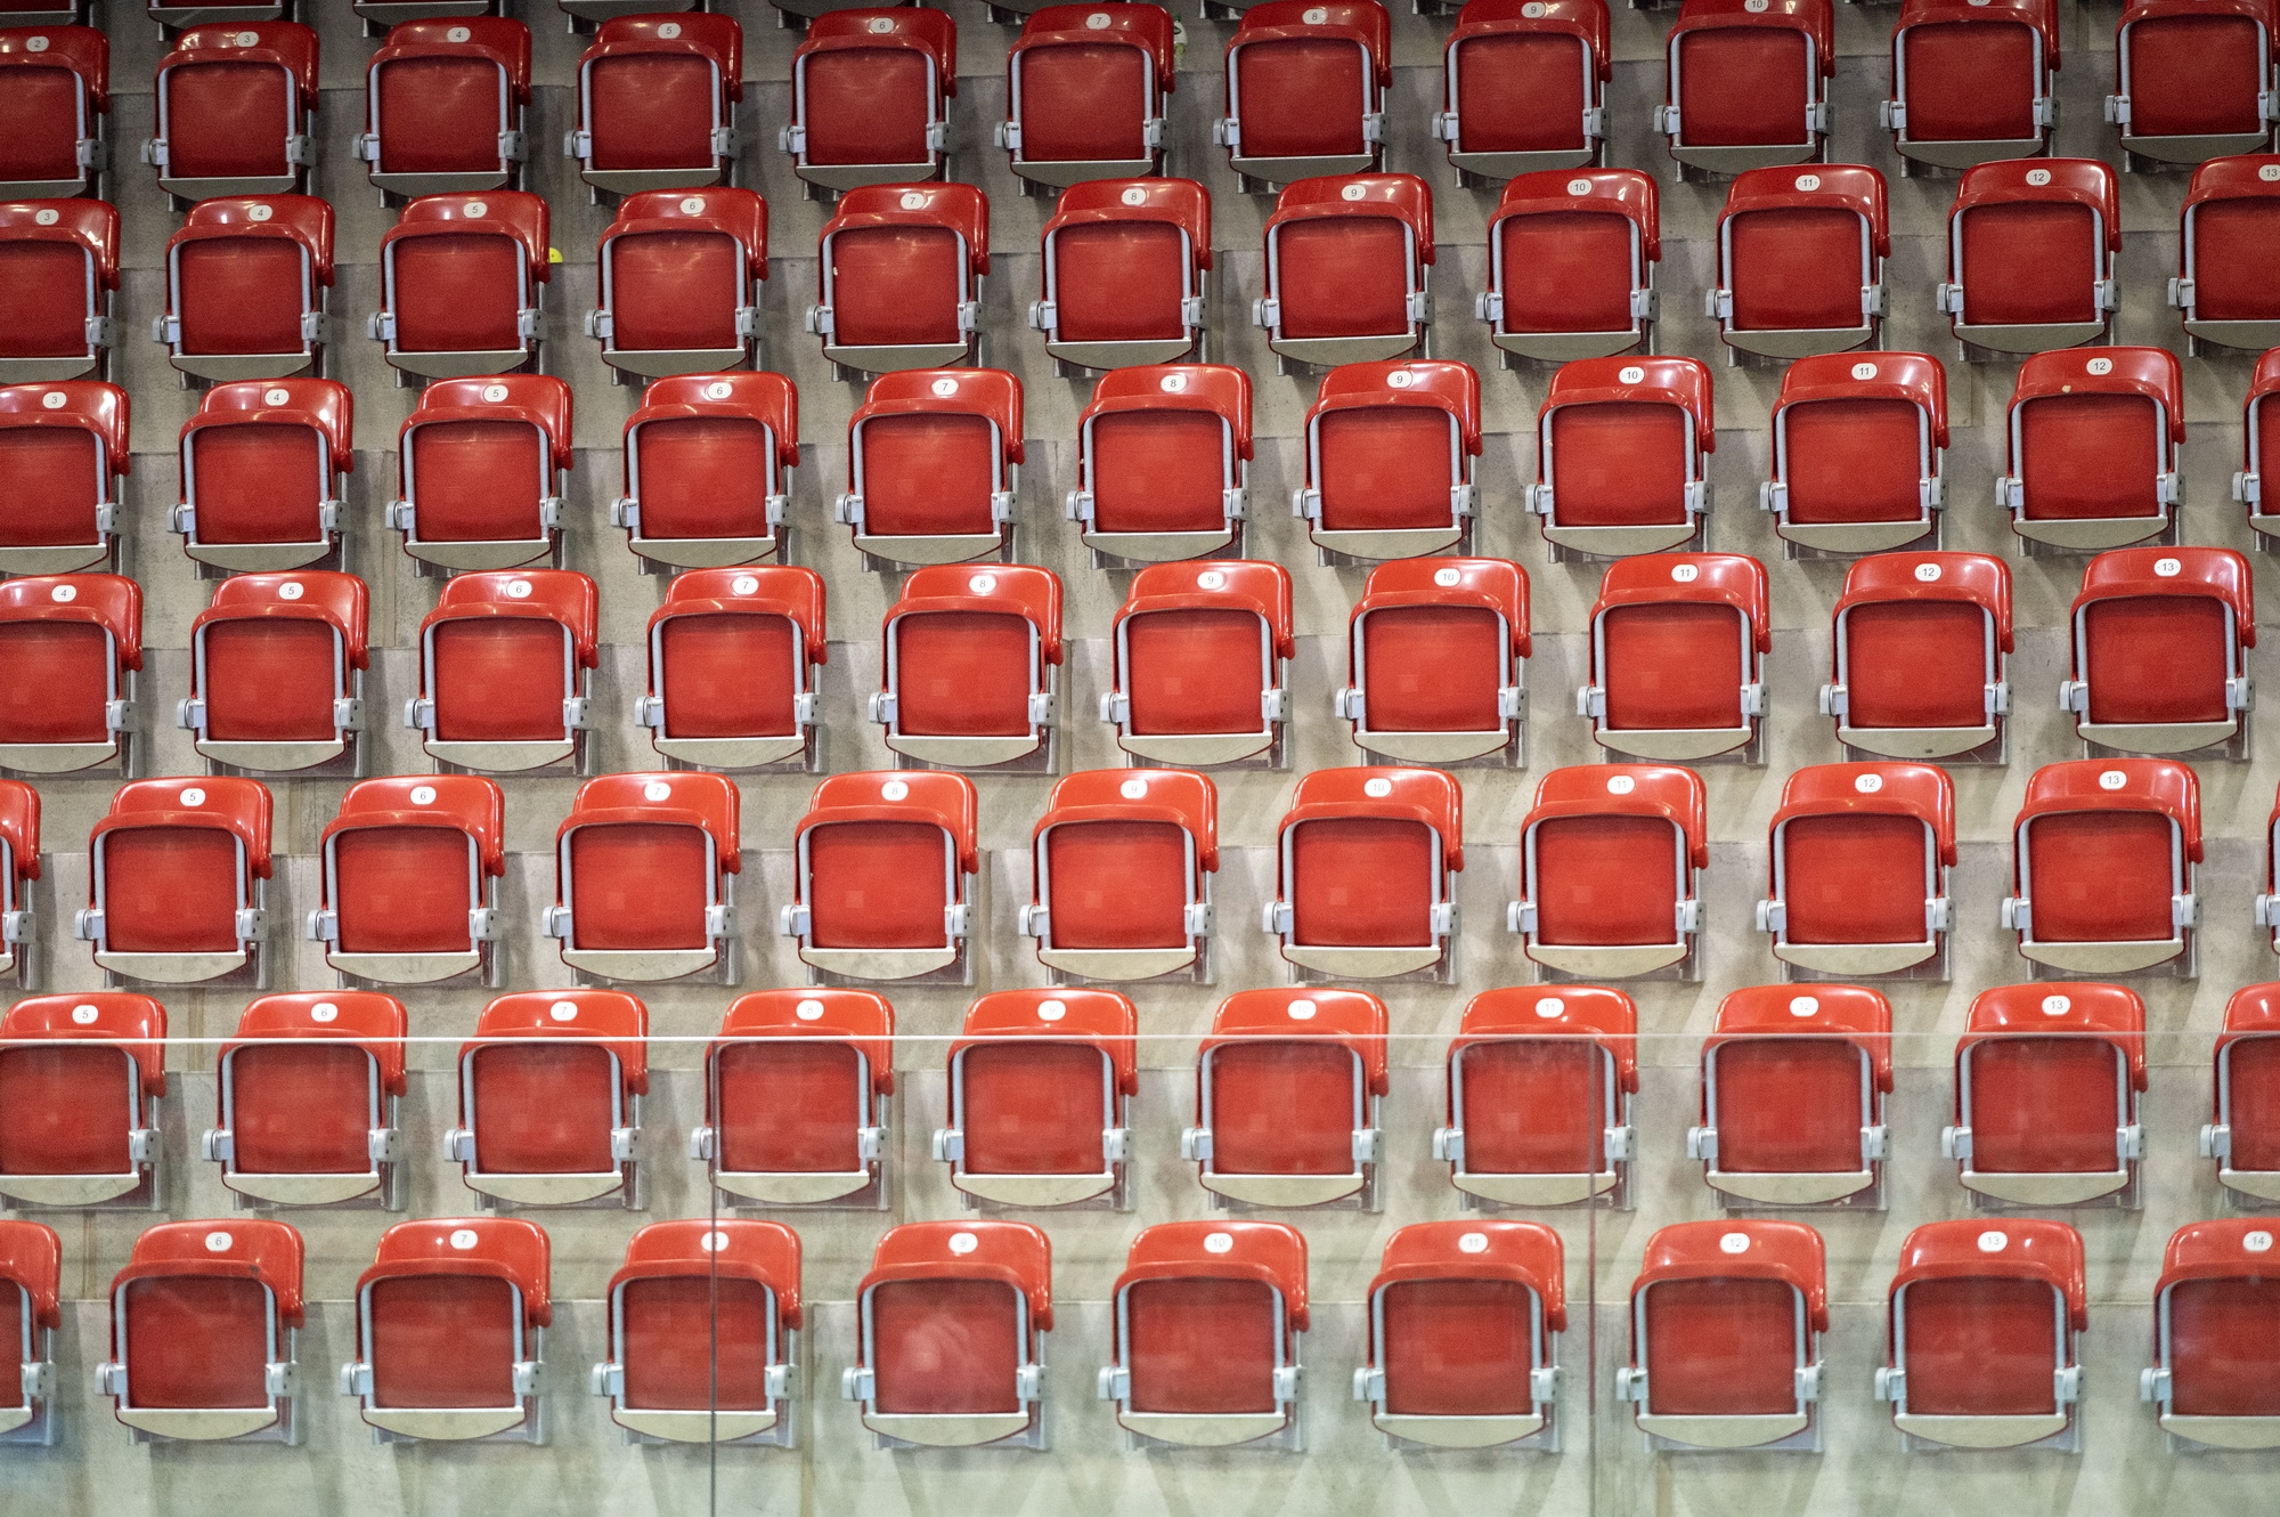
{"x":553,"y":255}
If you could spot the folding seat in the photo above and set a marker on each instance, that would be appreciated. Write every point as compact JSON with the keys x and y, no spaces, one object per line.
{"x":1389,"y":459}
{"x":277,"y":672}
{"x":1859,"y":451}
{"x":63,"y":466}
{"x":657,"y":102}
{"x":871,"y":95}
{"x":55,"y":90}
{"x":550,"y":1090}
{"x":899,"y":271}
{"x":933,"y":466}
{"x":2215,"y":1316}
{"x":2259,"y":422}
{"x":1747,"y":83}
{"x":204,"y":1323}
{"x":1726,"y":1324}
{"x":31,"y":1289}
{"x":708,"y":470}
{"x":936,"y":1366}
{"x":245,"y":288}
{"x":444,"y":100}
{"x":1200,"y":663}
{"x":1525,"y":87}
{"x":1985,"y":1325}
{"x":1040,"y":1095}
{"x":1678,"y":646}
{"x":1124,"y":265}
{"x":459,"y":284}
{"x":73,"y":1132}
{"x":1465,"y":1320}
{"x":1085,"y":93}
{"x":1623,"y":455}
{"x":1347,"y":262}
{"x":2227,"y":268}
{"x":645,"y":878}
{"x":1801,"y":261}
{"x":1793,"y":1092}
{"x":505,"y":661}
{"x":264,"y":473}
{"x":681,"y":279}
{"x":2031,"y":250}
{"x":19,"y":867}
{"x":1121,"y":865}
{"x":405,"y":876}
{"x":481,"y":464}
{"x":1288,"y":64}
{"x":70,"y":646}
{"x":704,"y":1316}
{"x":2244,"y":1137}
{"x":177,"y":880}
{"x":1861,"y":855}
{"x":1972,"y":81}
{"x":2095,"y":435}
{"x":2160,"y":651}
{"x":1288,"y":1087}
{"x":1921,"y":643}
{"x":968,"y":678}
{"x":798,"y":1087}
{"x":2195,"y":80}
{"x":307,"y":1096}
{"x":1366,"y":859}
{"x":1595,"y":899}
{"x":2103,"y":855}
{"x":732,"y":683}
{"x":451,"y":1319}
{"x":886,"y":885}
{"x":1571,"y":262}
{"x":2047,"y":1083}
{"x":59,"y":267}
{"x":1208,"y":1321}
{"x":1435,"y":656}
{"x":223,"y":92}
{"x":1163,"y":458}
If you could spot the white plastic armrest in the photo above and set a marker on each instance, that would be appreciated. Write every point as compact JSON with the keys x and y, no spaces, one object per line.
{"x":459,"y":1146}
{"x":2066,"y":1384}
{"x":1809,"y":1379}
{"x":356,"y":1379}
{"x":217,"y":1145}
{"x":1955,"y":1142}
{"x":1195,"y":1144}
{"x":2118,"y":109}
{"x":1488,"y":306}
{"x":1520,"y":917}
{"x":1449,"y":1144}
{"x":1891,"y":1384}
{"x":2018,"y":914}
{"x":606,"y":1380}
{"x":857,"y":1383}
{"x":793,"y":921}
{"x":1631,"y":1384}
{"x":1702,"y":1143}
{"x":2153,"y":1384}
{"x":1621,"y":1143}
{"x":527,"y":1375}
{"x":949,"y":1144}
{"x":1772,"y":916}
{"x":1369,"y":1384}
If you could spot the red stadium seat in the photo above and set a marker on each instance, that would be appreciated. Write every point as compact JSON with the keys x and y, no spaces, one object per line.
{"x":1162,"y":462}
{"x":1123,"y":271}
{"x":645,"y":878}
{"x":1596,"y":901}
{"x":264,"y":473}
{"x":177,"y":881}
{"x":871,"y":95}
{"x":1859,"y":451}
{"x":451,"y":1324}
{"x":277,"y":671}
{"x":1200,"y":663}
{"x":703,"y":1318}
{"x":657,"y":102}
{"x":1526,"y":86}
{"x":708,"y":469}
{"x":1571,"y":262}
{"x":2226,"y":264}
{"x":70,"y":646}
{"x":31,"y":1286}
{"x":204,"y":1320}
{"x":2258,"y":422}
{"x":1984,"y":1335}
{"x":2031,"y":250}
{"x":1366,"y":859}
{"x":1793,"y":1091}
{"x":19,"y":867}
{"x":1678,"y":646}
{"x":1389,"y":459}
{"x":1291,"y":67}
{"x":406,"y":873}
{"x":933,"y":465}
{"x":1121,"y":867}
{"x":1085,"y":92}
{"x":444,"y":101}
{"x":732,"y":656}
{"x":899,"y":270}
{"x":681,"y":276}
{"x":307,"y":1097}
{"x":2103,"y":858}
{"x":1040,"y":1094}
{"x":1801,"y":261}
{"x":59,"y":267}
{"x":79,"y":1102}
{"x":1726,"y":1324}
{"x":2244,"y":1138}
{"x":245,"y":287}
{"x":936,"y":1366}
{"x":459,"y":284}
{"x":797,"y":1090}
{"x":550,"y":1090}
{"x":968,"y":674}
{"x":1208,"y":1321}
{"x":2047,"y":1083}
{"x":1347,"y":261}
{"x":885,"y":884}
{"x":505,"y":661}
{"x":480,"y":470}
{"x":223,"y":93}
{"x":1540,"y":1092}
{"x":2213,"y":1349}
{"x":1622,"y":455}
{"x":2161,"y":639}
{"x":1972,"y":81}
{"x":2094,"y":439}
{"x":1921,"y":649}
{"x":63,"y":466}
{"x":1435,"y":661}
{"x":1288,"y":1087}
{"x":1861,"y":854}
{"x":1747,"y":84}
{"x":55,"y":90}
{"x":2195,"y":80}
{"x":1465,"y":1319}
